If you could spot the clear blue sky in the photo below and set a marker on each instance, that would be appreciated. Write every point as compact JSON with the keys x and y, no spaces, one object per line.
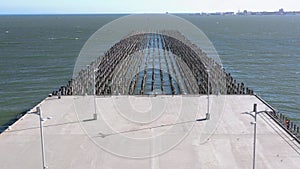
{"x":142,"y":6}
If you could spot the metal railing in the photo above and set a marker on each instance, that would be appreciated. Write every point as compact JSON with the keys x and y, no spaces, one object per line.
{"x":283,"y":121}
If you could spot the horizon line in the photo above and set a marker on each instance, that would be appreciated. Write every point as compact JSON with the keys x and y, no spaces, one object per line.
{"x":126,"y":13}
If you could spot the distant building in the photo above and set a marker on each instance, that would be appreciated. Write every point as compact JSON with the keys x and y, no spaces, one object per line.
{"x":249,"y":13}
{"x":281,"y":12}
{"x":228,"y":13}
{"x":245,"y":12}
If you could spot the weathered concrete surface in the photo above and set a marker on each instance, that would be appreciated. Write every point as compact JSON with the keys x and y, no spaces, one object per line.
{"x":141,"y":132}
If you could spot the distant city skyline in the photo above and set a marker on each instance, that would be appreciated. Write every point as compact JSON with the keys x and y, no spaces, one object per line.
{"x":138,"y":6}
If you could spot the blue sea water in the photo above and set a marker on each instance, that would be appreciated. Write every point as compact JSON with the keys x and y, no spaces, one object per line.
{"x":38,"y":53}
{"x":261,"y":51}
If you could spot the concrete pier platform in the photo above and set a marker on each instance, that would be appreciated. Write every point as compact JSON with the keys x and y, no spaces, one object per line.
{"x":148,"y":132}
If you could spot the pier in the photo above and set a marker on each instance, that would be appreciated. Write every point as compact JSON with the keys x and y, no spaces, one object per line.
{"x":153,"y":100}
{"x":164,"y":63}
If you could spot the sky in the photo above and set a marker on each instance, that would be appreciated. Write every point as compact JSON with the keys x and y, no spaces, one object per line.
{"x":142,"y":6}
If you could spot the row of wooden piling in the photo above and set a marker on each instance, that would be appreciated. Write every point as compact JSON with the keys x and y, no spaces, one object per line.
{"x":236,"y":88}
{"x":189,"y":68}
{"x":199,"y":64}
{"x":284,"y":120}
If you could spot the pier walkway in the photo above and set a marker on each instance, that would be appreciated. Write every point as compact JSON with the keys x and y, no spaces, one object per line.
{"x":73,"y":140}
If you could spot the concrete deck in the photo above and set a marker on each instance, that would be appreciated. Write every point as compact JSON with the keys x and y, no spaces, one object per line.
{"x":148,"y":132}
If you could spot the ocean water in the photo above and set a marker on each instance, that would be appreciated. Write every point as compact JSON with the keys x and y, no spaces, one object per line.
{"x":38,"y":53}
{"x":261,"y":51}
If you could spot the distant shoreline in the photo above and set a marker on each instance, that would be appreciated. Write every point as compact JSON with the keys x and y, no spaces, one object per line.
{"x":123,"y":14}
{"x":244,"y":13}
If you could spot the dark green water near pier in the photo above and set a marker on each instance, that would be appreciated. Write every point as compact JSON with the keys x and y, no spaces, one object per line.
{"x":38,"y":53}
